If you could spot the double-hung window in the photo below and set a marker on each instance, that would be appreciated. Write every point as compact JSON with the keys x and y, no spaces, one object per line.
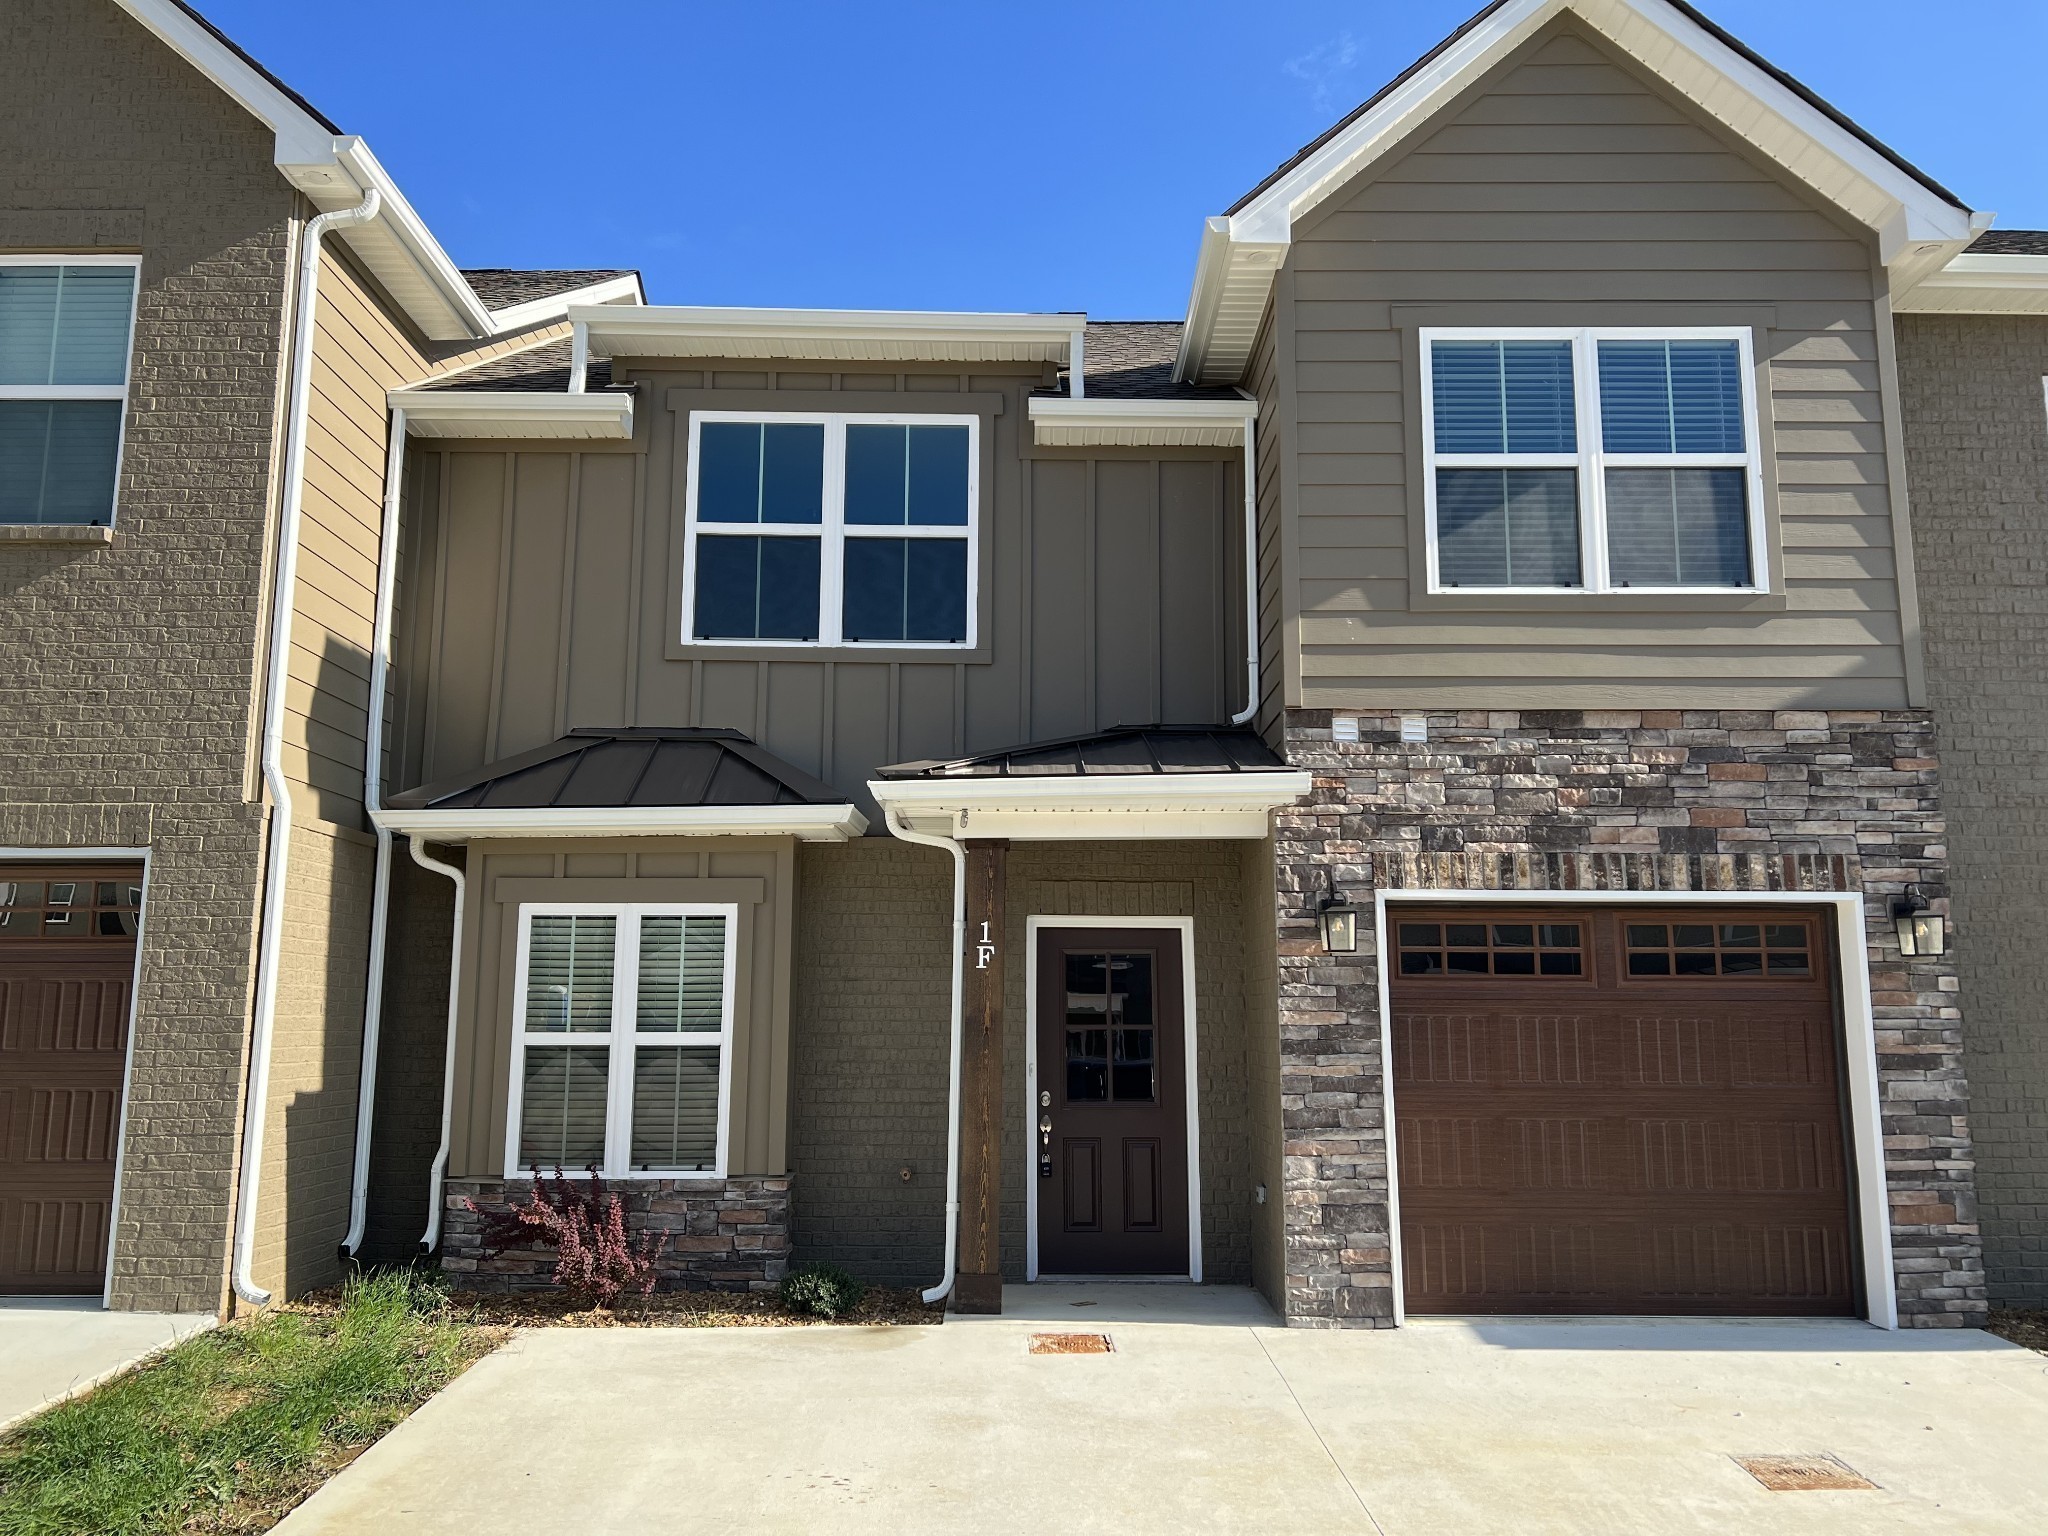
{"x":831,"y":529}
{"x":1601,"y":460}
{"x":65,"y":323}
{"x":623,"y":1040}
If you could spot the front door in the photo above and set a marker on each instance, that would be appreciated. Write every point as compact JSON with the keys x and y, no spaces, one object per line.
{"x":1110,"y":1104}
{"x":67,"y":958}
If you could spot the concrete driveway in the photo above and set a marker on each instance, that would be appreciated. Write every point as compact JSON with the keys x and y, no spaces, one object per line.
{"x":51,"y":1349}
{"x":1207,"y":1417}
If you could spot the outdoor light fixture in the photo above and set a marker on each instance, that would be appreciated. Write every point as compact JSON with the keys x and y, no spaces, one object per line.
{"x":1921,"y":932}
{"x":1340,"y":923}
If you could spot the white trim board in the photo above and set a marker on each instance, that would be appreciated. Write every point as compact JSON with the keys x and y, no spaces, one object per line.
{"x":1087,"y":423}
{"x":1185,"y":927}
{"x":1098,"y":805}
{"x":1872,"y":1208}
{"x":807,"y":823}
{"x":882,"y":335}
{"x":514,"y":413}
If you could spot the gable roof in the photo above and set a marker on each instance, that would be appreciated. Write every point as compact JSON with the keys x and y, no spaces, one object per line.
{"x":1919,"y":223}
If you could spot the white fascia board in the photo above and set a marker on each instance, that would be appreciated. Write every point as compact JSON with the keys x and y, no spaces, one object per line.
{"x":806,"y":823}
{"x":1140,"y":423}
{"x":613,"y":290}
{"x":529,"y":413}
{"x":1099,"y":805}
{"x":628,"y":330}
{"x":1984,"y":285}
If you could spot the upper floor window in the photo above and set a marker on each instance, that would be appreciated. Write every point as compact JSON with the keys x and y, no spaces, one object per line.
{"x":1592,"y":460}
{"x":831,"y":530}
{"x":65,"y":323}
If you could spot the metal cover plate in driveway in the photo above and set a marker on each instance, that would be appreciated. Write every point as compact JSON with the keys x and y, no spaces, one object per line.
{"x":1070,"y":1344}
{"x":1792,"y":1474}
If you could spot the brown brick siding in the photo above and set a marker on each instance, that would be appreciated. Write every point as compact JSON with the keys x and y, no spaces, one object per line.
{"x":1977,"y":456}
{"x":1619,"y":801}
{"x":126,"y":716}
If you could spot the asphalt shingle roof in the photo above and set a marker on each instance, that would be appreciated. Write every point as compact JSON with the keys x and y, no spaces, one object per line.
{"x":638,"y":766}
{"x":2011,"y":242}
{"x":1133,"y":360}
{"x":502,"y":287}
{"x":542,"y":368}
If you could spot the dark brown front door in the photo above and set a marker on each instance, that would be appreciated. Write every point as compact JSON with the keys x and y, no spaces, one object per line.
{"x":1622,"y":1110}
{"x":67,"y":959}
{"x":1110,"y":1153}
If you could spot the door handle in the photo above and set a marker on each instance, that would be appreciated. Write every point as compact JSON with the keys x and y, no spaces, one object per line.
{"x":1045,"y":1144}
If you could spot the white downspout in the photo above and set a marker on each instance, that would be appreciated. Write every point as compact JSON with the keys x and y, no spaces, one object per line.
{"x":373,"y":804}
{"x":432,"y":1238}
{"x":579,"y":357}
{"x":1251,"y":578}
{"x":944,"y":1288}
{"x":271,"y":941}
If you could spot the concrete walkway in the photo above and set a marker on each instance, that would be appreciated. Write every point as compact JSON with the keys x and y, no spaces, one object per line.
{"x":53,"y":1348}
{"x":1207,"y":1417}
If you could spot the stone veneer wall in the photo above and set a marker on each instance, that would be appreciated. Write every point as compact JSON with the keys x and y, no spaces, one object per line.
{"x":1621,"y":800}
{"x":726,"y":1235}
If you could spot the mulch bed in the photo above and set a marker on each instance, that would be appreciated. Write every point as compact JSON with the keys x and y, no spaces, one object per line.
{"x":2021,"y":1327}
{"x":689,"y":1309}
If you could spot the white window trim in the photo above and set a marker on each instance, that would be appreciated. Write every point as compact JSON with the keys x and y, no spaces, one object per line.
{"x":831,"y":530}
{"x":1592,"y":460}
{"x":86,"y":391}
{"x":623,"y":1043}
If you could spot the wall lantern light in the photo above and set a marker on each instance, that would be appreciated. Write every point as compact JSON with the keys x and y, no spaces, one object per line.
{"x":1921,"y":932}
{"x":1340,"y":923}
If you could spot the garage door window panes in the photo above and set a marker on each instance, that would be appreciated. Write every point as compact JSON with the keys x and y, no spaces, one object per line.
{"x":1720,"y":949}
{"x":69,"y":908}
{"x":831,"y":530}
{"x":1491,"y":949}
{"x":624,"y":1037}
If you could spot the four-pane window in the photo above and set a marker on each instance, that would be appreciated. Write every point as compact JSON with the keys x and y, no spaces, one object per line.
{"x":831,"y":530}
{"x":624,"y":1033}
{"x":1591,"y":460}
{"x":65,"y":323}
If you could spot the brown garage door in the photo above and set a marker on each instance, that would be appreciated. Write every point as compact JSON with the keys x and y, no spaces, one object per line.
{"x":1631,"y":1110}
{"x":67,"y":959}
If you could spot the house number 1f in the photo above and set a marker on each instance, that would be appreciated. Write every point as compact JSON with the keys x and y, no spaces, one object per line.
{"x":984,"y":949}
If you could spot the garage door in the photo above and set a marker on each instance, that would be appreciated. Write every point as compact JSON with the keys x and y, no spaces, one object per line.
{"x":1626,"y":1111}
{"x":67,"y":959}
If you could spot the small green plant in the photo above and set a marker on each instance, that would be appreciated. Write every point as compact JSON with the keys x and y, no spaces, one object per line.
{"x":822,"y":1290}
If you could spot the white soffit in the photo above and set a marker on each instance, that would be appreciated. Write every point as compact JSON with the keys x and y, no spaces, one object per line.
{"x":1109,"y":805}
{"x":1140,"y":423}
{"x":829,"y":335}
{"x":515,"y":413}
{"x":806,"y":823}
{"x":1919,"y":229}
{"x":2002,"y":284}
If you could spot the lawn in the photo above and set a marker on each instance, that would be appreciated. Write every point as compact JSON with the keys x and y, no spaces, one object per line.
{"x":231,"y":1429}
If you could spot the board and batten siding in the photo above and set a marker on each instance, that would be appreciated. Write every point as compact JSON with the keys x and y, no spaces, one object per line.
{"x":1566,"y":189}
{"x":544,"y":592}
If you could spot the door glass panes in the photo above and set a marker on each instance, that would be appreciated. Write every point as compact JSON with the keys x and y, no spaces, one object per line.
{"x":756,"y":588}
{"x":1503,"y":397}
{"x":1671,"y":397}
{"x":682,"y":974}
{"x":1490,"y":949}
{"x":906,"y":476}
{"x":1781,"y":950}
{"x":675,"y":1107}
{"x":760,"y":472}
{"x":1678,"y":527}
{"x":1507,"y":527}
{"x":1112,"y":1034}
{"x":906,"y":589}
{"x":561,"y":1106}
{"x":569,"y":973}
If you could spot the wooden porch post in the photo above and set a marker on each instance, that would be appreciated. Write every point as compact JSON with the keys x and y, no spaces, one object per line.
{"x":978,"y":1286}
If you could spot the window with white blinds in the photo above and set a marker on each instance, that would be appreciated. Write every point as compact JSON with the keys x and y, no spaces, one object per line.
{"x":1593,"y":460}
{"x":65,"y":324}
{"x":623,"y":1040}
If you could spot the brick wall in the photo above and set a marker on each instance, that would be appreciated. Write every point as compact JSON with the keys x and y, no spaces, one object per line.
{"x":125,"y":720}
{"x":1619,"y":801}
{"x":1977,"y":455}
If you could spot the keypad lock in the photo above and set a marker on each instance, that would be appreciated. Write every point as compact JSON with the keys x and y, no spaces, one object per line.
{"x":1044,"y":1139}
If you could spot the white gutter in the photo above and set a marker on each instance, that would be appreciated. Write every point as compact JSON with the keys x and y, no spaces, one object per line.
{"x":271,"y":941}
{"x":807,"y":823}
{"x":515,"y":413}
{"x":897,"y":827}
{"x":431,"y":1239}
{"x":373,"y":794}
{"x":1251,"y":577}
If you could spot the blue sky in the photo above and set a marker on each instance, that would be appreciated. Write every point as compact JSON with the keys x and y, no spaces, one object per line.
{"x":961,"y":155}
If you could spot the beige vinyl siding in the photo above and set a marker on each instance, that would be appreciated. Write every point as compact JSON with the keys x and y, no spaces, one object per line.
{"x":543,"y":594}
{"x":1567,"y":190}
{"x":360,"y":351}
{"x":1271,"y":444}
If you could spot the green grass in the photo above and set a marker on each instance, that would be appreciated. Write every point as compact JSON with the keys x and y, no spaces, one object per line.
{"x":230,"y":1429}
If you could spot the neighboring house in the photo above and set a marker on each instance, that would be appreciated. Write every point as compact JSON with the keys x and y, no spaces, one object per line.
{"x":1409,"y":788}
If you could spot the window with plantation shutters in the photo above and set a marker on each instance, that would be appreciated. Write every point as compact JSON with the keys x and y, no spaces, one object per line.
{"x":1593,"y":460}
{"x":624,"y":1039}
{"x":65,"y":323}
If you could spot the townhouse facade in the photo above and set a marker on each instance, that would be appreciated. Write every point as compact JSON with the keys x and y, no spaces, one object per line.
{"x":1485,"y":770}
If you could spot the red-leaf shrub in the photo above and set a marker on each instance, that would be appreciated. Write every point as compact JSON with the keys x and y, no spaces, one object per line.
{"x":596,"y":1261}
